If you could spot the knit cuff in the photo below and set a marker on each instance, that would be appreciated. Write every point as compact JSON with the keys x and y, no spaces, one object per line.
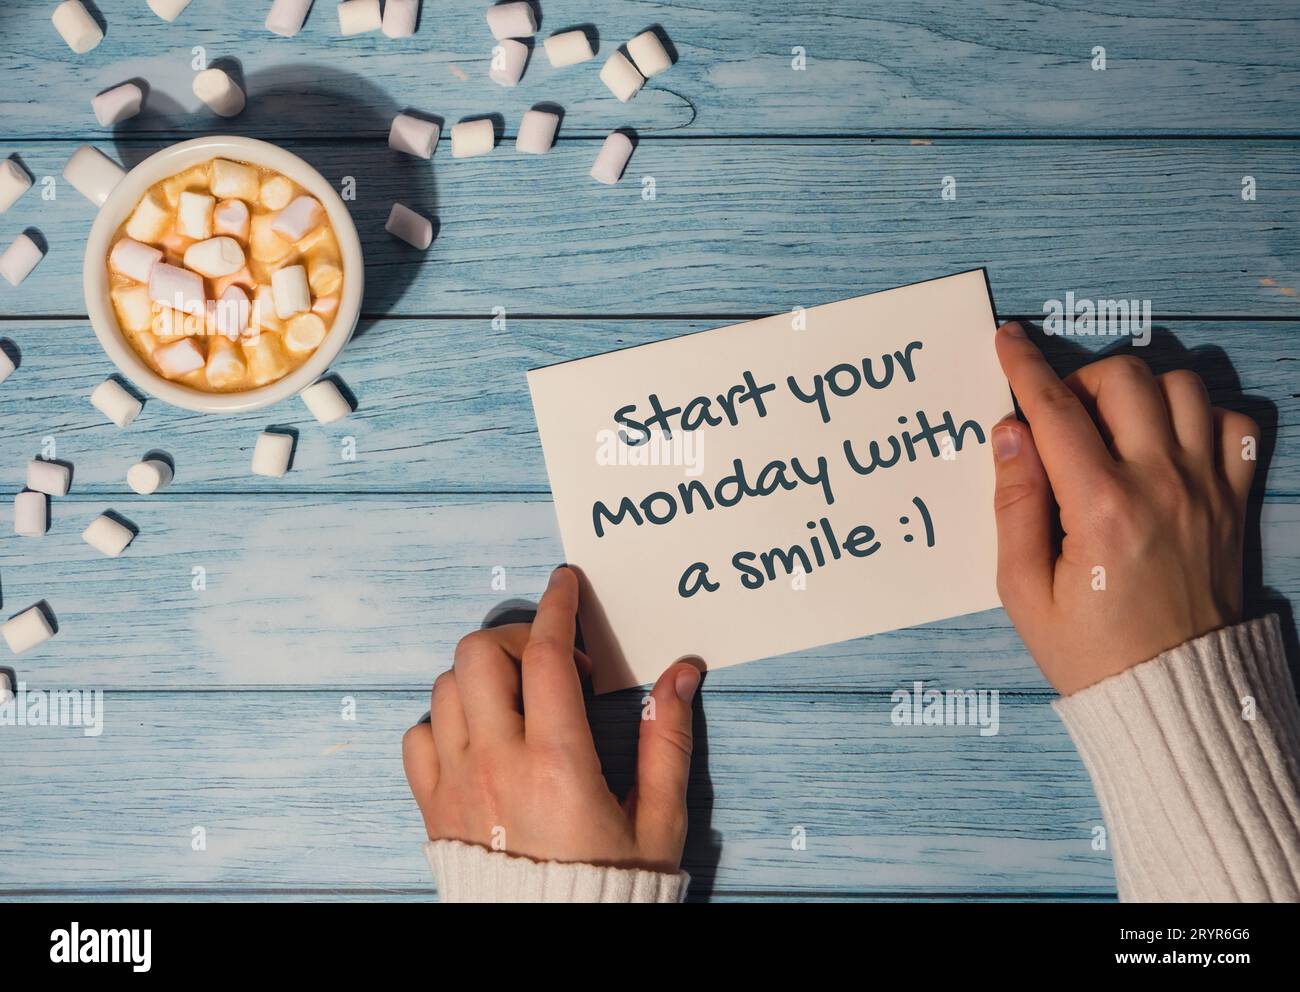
{"x":1194,"y":756}
{"x":469,"y":873}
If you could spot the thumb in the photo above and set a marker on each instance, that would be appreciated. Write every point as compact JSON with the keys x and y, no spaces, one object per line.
{"x":663,"y":764}
{"x":1022,"y":503}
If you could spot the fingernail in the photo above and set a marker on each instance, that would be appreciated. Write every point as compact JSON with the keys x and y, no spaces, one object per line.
{"x":687,"y":681}
{"x":558,"y":569}
{"x":1006,"y":443}
{"x":1013,"y":329}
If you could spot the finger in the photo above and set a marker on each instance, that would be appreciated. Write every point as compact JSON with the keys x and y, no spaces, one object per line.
{"x":1071,"y":450}
{"x":554,"y":711}
{"x":1238,"y":451}
{"x":1121,"y":393}
{"x":1023,"y":506}
{"x":447,"y":718}
{"x":1188,"y":402}
{"x":663,"y":764}
{"x":487,"y":678}
{"x":420,"y":759}
{"x":513,"y":638}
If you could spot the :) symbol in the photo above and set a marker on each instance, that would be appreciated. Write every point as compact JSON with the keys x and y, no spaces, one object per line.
{"x":925,"y":519}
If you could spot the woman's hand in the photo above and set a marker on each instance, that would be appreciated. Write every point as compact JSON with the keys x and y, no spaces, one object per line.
{"x":507,"y":759}
{"x":1151,"y":484}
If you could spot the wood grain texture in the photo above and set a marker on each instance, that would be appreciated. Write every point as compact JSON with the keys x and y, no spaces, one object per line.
{"x":1005,"y":66}
{"x":375,"y":591}
{"x":766,"y":225}
{"x":443,"y":405}
{"x":291,"y":795}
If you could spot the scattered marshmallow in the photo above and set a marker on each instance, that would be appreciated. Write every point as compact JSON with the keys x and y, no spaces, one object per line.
{"x":178,"y":358}
{"x":93,"y":174}
{"x":234,"y":180}
{"x":27,"y":629}
{"x":147,"y":477}
{"x":568,"y":48}
{"x":290,"y":291}
{"x":508,"y":60}
{"x":168,"y":10}
{"x":299,"y":218}
{"x":133,"y":259}
{"x":272,"y":453}
{"x":31,"y":514}
{"x":107,"y":536}
{"x":537,"y":132}
{"x":149,"y":221}
{"x":359,"y":16}
{"x":112,"y":400}
{"x":194,"y":215}
{"x":612,"y":159}
{"x":400,"y":17}
{"x":221,"y":93}
{"x":18,"y":260}
{"x":414,"y":136}
{"x":7,"y":365}
{"x":77,"y":27}
{"x":177,"y":288}
{"x":6,"y":688}
{"x":117,"y":105}
{"x":50,"y":478}
{"x":326,"y":401}
{"x":14,"y":182}
{"x":215,"y":257}
{"x":470,"y":138}
{"x":649,"y":54}
{"x":287,"y":16}
{"x":621,"y":76}
{"x":415,"y":229}
{"x":511,"y":20}
{"x":231,"y":217}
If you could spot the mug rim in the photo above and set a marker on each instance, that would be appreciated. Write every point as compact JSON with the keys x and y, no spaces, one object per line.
{"x":122,"y":201}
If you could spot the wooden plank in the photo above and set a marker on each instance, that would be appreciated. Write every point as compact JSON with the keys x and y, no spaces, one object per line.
{"x":290,"y":794}
{"x":375,"y":592}
{"x":764,"y":225}
{"x":443,"y":406}
{"x":903,"y":66}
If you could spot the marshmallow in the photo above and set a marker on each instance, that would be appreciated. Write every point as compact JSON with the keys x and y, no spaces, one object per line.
{"x":323,"y":276}
{"x":28,"y":628}
{"x":107,"y":536}
{"x":299,"y":218}
{"x":177,"y":288}
{"x":117,"y":105}
{"x":405,"y":223}
{"x":31,"y":514}
{"x":221,"y":93}
{"x":286,"y":17}
{"x":304,"y":332}
{"x":400,"y":17}
{"x":149,"y":221}
{"x":194,"y":215}
{"x":326,"y":306}
{"x":649,"y":54}
{"x":325,"y":401}
{"x":115,"y":403}
{"x":511,"y":20}
{"x":7,"y":365}
{"x":264,"y":310}
{"x":18,"y":260}
{"x":168,"y":10}
{"x":276,"y":193}
{"x":263,"y":243}
{"x":226,"y":365}
{"x":414,"y":136}
{"x":133,"y":259}
{"x":133,"y":306}
{"x":148,"y":476}
{"x":266,"y":359}
{"x":14,"y":182}
{"x":51,"y":478}
{"x":272,"y":453}
{"x":77,"y":27}
{"x":290,"y":291}
{"x":621,"y":76}
{"x":178,"y":358}
{"x":568,"y":48}
{"x":234,"y":180}
{"x":215,"y":257}
{"x":359,"y":16}
{"x":229,"y":314}
{"x":612,"y":159}
{"x":508,"y":60}
{"x":231,"y":217}
{"x":536,"y":132}
{"x":470,"y":138}
{"x":93,"y":174}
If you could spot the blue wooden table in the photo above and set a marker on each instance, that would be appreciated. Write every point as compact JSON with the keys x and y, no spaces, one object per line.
{"x":252,"y":719}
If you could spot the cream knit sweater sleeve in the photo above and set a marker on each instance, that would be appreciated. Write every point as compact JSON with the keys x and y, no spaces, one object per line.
{"x":1195,"y":756}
